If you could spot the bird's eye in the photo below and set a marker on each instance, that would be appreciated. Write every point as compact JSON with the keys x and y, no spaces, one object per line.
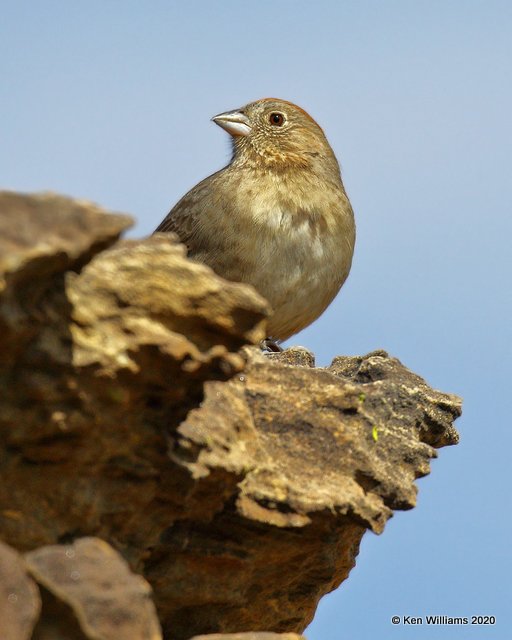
{"x":277,"y":119}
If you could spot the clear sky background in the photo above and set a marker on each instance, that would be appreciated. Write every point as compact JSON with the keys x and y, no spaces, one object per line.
{"x":111,"y":101}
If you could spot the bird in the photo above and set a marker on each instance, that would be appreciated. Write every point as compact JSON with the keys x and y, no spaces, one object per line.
{"x":276,"y":216}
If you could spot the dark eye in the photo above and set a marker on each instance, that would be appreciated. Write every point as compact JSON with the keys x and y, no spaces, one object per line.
{"x":276,"y":119}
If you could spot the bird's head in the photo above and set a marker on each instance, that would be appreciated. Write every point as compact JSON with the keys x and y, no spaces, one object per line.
{"x":278,"y":134}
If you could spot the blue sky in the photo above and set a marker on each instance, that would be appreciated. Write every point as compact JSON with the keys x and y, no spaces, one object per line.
{"x":111,"y":101}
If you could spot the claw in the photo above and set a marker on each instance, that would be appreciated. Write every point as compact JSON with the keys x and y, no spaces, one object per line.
{"x":270,"y":345}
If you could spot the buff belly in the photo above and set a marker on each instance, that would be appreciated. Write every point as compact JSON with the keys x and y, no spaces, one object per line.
{"x":298,"y":270}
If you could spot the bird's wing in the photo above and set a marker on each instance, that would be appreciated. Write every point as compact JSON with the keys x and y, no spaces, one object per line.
{"x":186,"y":219}
{"x":167,"y":224}
{"x":183,"y":222}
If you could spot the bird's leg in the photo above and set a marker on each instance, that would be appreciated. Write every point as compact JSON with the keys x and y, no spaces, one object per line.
{"x":270,"y":345}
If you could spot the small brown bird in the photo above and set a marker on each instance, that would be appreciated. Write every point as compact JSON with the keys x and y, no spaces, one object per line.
{"x":277,"y":216}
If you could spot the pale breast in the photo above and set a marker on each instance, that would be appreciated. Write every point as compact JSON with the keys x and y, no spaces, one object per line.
{"x":293,"y":243}
{"x":302,"y":273}
{"x":299,"y":256}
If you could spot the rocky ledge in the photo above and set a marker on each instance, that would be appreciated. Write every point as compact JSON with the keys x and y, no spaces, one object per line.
{"x":143,"y":432}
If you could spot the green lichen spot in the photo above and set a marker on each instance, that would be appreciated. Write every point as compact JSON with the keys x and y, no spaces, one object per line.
{"x":375,"y":433}
{"x":362,"y":397}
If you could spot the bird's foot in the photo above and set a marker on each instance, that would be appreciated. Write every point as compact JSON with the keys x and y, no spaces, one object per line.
{"x":270,"y":345}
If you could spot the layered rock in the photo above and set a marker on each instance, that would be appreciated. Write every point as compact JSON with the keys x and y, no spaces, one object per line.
{"x":134,"y":410}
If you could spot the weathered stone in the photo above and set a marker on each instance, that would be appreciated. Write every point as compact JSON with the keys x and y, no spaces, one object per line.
{"x":106,"y":598}
{"x":297,"y":356}
{"x":250,"y":635}
{"x":42,"y":237}
{"x":19,"y":597}
{"x":238,"y":484}
{"x":411,"y":400}
{"x":316,"y":457}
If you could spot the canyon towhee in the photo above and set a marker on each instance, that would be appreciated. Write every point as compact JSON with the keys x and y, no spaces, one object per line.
{"x":277,"y":216}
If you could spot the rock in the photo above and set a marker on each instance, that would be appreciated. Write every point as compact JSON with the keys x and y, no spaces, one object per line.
{"x":107,"y":600}
{"x":316,"y":456}
{"x":20,"y":602}
{"x":41,"y":238}
{"x":88,"y":593}
{"x":135,"y":410}
{"x":250,"y":635}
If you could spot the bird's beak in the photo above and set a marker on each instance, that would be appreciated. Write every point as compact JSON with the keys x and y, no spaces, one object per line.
{"x":235,"y":123}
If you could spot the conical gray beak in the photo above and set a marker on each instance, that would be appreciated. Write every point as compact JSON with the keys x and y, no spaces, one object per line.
{"x":235,"y":123}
